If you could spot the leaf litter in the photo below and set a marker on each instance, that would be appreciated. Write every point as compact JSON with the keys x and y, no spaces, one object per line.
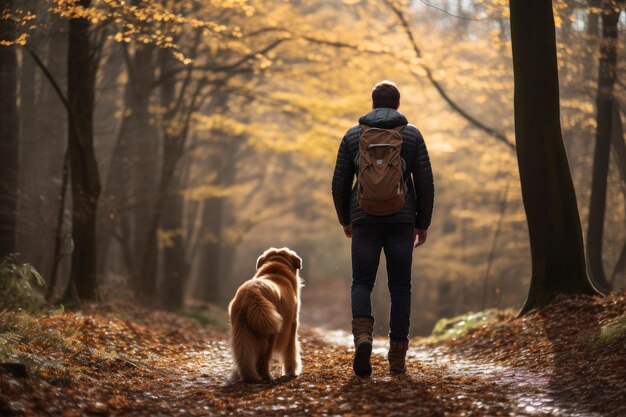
{"x":123,"y":360}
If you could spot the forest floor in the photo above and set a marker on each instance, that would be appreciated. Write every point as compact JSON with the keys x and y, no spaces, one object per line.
{"x":122,"y":360}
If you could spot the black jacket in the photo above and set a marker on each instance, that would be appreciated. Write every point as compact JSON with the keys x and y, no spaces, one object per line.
{"x":418,"y":208}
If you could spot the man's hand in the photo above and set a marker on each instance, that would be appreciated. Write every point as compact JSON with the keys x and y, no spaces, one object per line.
{"x":347,"y":229}
{"x":420,"y":237}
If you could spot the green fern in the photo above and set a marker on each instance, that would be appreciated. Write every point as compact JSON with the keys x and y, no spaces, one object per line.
{"x":16,"y":286}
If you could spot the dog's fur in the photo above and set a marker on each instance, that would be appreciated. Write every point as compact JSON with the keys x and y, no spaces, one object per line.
{"x":264,"y":316}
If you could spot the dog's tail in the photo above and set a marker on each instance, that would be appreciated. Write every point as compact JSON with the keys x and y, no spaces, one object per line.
{"x":253,"y":318}
{"x":262,"y":316}
{"x":245,"y":354}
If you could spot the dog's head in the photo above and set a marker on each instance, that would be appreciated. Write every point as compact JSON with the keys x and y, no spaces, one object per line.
{"x":284,"y":255}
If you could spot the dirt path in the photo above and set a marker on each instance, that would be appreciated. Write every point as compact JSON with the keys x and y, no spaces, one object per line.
{"x":150,"y":363}
{"x":440,"y":383}
{"x":527,"y":393}
{"x":179,"y":376}
{"x":327,"y":386}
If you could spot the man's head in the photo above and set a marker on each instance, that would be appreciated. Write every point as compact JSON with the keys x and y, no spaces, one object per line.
{"x":385,"y":94}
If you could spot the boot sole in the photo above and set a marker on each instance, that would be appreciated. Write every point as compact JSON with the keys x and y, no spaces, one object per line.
{"x":362,"y":354}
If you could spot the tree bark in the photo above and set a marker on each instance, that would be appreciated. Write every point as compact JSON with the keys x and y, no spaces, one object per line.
{"x":604,"y":106}
{"x":145,"y":153}
{"x":52,"y":83}
{"x":81,"y":72}
{"x":30,"y":228}
{"x":556,"y":244}
{"x":146,"y":283}
{"x":146,"y":286}
{"x":592,"y":30}
{"x":214,"y":268}
{"x":130,"y":187}
{"x":176,"y":121}
{"x":43,"y":120}
{"x":53,"y":150}
{"x":619,"y":153}
{"x":208,"y":282}
{"x":175,"y":267}
{"x":9,"y":133}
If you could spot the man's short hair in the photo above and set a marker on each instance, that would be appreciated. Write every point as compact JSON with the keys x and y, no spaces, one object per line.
{"x":385,"y":94}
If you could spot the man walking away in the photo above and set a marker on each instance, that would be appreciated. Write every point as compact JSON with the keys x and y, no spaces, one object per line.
{"x":388,"y":208}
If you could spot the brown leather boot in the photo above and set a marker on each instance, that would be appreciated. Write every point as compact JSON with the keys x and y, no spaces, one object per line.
{"x":362,"y":329}
{"x":397,"y":355}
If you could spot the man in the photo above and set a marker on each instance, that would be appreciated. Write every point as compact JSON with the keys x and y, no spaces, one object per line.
{"x":397,"y":234}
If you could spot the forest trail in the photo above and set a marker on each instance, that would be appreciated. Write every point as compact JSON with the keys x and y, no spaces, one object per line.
{"x":327,"y":386}
{"x":520,"y":391}
{"x":128,"y":361}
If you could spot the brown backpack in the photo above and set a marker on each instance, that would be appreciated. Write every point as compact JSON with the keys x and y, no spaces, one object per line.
{"x":381,"y":189}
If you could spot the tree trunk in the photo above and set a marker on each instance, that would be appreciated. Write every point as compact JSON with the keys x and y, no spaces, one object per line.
{"x":208,"y":282}
{"x":145,"y":153}
{"x":30,"y":228}
{"x":81,"y":67}
{"x":214,"y":269}
{"x":43,"y":119}
{"x":605,"y":103}
{"x":146,"y":283}
{"x":9,"y":130}
{"x":52,"y":150}
{"x":130,"y":186}
{"x":556,"y":244}
{"x":592,"y":31}
{"x":619,"y":154}
{"x":175,"y":268}
{"x":176,"y":122}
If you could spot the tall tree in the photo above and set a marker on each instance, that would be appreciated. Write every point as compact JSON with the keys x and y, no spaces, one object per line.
{"x":131,"y":181}
{"x":556,"y":244}
{"x":605,"y":103}
{"x":592,"y":30}
{"x":169,"y":201}
{"x":81,"y":73}
{"x":29,"y":229}
{"x":52,"y":133}
{"x":43,"y":120}
{"x":214,"y":249}
{"x":8,"y":132}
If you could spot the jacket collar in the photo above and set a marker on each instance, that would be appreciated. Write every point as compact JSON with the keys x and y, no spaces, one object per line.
{"x":383,"y":118}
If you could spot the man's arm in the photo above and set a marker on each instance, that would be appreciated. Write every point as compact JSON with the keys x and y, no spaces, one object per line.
{"x":342,"y":183}
{"x":424,"y":189}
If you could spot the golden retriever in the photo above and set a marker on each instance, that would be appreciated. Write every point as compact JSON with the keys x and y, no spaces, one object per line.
{"x":264,"y":317}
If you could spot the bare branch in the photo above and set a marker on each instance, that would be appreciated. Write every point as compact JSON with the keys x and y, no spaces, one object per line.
{"x":429,"y":75}
{"x":432,"y":6}
{"x":222,"y":68}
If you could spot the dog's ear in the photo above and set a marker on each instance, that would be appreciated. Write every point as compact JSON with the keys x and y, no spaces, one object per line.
{"x":296,"y":261}
{"x":264,"y":257}
{"x":260,"y":261}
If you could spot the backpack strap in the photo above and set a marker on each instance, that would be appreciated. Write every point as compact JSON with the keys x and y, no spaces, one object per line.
{"x":405,"y":170}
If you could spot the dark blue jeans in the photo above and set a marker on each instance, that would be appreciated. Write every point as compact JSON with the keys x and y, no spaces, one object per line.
{"x":396,"y":239}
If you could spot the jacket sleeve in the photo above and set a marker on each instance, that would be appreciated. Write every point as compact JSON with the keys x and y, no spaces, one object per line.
{"x":342,"y":182}
{"x":424,"y":185}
